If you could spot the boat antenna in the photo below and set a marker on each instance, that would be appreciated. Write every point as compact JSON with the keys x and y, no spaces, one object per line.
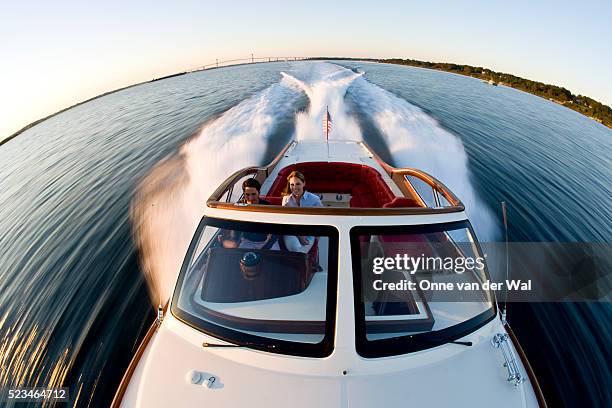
{"x":504,"y":309}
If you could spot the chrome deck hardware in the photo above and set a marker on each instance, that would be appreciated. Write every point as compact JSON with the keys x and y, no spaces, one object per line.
{"x":500,"y":340}
{"x":160,"y":315}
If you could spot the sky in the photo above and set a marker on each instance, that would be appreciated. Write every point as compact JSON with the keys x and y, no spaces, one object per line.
{"x":55,"y":54}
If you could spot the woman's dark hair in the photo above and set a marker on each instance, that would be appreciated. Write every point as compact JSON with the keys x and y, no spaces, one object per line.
{"x":293,"y":174}
{"x":251,"y":182}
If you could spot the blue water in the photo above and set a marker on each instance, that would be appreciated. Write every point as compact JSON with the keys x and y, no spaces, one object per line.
{"x":554,"y":168}
{"x":73,"y":301}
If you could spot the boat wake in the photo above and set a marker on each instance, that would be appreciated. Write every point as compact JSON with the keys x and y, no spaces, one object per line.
{"x":168,"y":202}
{"x":415,"y":139}
{"x":325,"y":85}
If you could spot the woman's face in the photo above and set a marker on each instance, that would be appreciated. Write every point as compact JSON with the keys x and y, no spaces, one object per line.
{"x":296,"y":186}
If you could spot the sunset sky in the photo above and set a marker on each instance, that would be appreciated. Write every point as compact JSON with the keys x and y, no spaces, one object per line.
{"x":55,"y":54}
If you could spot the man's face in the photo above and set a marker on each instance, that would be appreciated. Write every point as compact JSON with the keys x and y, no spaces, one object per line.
{"x":251,"y":195}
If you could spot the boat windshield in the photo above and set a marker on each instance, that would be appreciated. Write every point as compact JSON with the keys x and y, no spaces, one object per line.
{"x":266,"y":286}
{"x":417,"y":286}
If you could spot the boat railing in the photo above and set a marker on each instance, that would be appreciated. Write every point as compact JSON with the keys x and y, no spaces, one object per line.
{"x":225,"y":192}
{"x":406,"y":178}
{"x":441,"y":199}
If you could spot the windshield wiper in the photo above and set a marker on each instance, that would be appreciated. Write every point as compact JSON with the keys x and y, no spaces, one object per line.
{"x":440,"y":342}
{"x":247,"y":344}
{"x":205,"y":344}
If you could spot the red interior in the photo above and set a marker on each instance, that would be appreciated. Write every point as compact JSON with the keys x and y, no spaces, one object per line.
{"x":365,"y":185}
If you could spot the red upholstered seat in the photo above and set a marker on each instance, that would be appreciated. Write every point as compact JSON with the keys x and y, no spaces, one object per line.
{"x":356,"y":202}
{"x":273,"y":200}
{"x":365,"y":185}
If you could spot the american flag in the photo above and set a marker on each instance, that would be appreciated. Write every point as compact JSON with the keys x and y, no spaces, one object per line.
{"x":327,"y":124}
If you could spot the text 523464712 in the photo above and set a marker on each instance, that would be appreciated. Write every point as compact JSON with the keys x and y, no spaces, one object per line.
{"x":34,"y":394}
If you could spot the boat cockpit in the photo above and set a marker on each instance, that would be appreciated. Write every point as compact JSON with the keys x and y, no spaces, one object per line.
{"x":345,"y":187}
{"x":283,"y":301}
{"x":241,"y":284}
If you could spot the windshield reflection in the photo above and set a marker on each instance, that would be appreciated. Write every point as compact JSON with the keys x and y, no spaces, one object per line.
{"x":243,"y":284}
{"x":418,"y":285}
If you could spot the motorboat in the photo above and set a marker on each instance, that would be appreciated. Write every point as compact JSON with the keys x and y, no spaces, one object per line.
{"x":351,"y":321}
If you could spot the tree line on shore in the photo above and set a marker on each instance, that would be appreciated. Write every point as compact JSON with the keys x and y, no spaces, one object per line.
{"x":580,"y":103}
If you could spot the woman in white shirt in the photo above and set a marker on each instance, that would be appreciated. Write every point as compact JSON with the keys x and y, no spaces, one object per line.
{"x":296,"y":196}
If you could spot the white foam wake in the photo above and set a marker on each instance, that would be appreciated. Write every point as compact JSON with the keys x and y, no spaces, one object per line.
{"x":417,"y":140}
{"x":169,"y":201}
{"x":325,"y":85}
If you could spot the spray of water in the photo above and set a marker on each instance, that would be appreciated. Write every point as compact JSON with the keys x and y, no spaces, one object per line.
{"x":169,"y":201}
{"x":325,"y":85}
{"x":417,"y":140}
{"x":414,"y":138}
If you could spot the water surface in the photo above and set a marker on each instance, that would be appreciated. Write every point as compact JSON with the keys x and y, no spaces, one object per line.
{"x":73,"y":302}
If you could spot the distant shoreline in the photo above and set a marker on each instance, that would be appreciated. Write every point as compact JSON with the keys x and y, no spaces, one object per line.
{"x":579,"y":103}
{"x":584,"y":105}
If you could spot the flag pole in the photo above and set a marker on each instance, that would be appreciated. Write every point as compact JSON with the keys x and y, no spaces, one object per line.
{"x":327,"y":129}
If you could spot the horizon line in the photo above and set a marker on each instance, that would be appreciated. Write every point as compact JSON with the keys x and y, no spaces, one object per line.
{"x":253,"y":60}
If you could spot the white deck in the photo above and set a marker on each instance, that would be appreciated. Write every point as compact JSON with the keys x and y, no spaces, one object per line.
{"x":446,"y":376}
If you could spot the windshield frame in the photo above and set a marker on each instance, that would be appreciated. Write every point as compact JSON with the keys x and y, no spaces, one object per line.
{"x":416,"y":342}
{"x":242,"y":339}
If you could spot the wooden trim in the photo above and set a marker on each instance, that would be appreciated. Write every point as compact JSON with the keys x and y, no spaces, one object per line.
{"x":261,"y":173}
{"x":532,"y":377}
{"x":127,"y":376}
{"x":231,"y":180}
{"x":333,"y":210}
{"x":388,"y":168}
{"x":429,"y":179}
{"x":407,"y":188}
{"x":278,"y":158}
{"x":397,"y":175}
